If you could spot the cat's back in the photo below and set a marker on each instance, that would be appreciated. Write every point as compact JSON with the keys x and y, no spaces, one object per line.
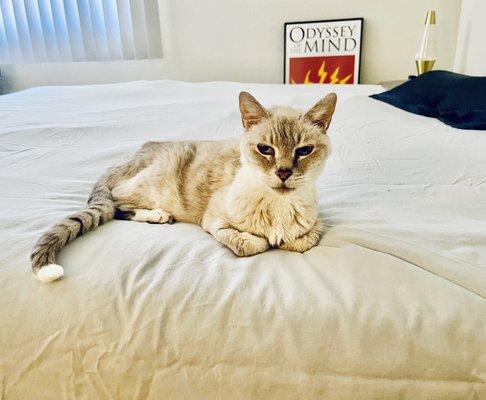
{"x":204,"y":156}
{"x":190,"y":172}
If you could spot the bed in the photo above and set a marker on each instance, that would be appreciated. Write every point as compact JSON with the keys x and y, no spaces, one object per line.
{"x":390,"y":305}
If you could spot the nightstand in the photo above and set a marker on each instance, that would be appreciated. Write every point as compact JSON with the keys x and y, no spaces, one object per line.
{"x":392,"y":84}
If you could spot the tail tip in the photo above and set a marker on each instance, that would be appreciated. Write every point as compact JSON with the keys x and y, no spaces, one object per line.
{"x":50,"y":273}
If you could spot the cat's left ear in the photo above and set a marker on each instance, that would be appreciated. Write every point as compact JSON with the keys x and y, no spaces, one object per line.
{"x":322,"y":111}
{"x":252,"y":112}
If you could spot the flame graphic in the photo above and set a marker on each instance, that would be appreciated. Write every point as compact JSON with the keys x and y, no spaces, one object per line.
{"x":322,"y":73}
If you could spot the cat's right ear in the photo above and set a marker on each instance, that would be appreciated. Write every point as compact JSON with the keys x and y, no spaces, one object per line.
{"x":322,"y":112}
{"x":252,"y":112}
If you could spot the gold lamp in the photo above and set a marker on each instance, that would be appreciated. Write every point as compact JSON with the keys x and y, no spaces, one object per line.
{"x":427,"y":54}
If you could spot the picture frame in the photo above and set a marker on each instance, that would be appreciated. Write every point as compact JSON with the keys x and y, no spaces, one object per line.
{"x":323,"y":51}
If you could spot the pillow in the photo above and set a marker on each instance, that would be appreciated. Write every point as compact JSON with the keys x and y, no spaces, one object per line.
{"x":457,"y":100}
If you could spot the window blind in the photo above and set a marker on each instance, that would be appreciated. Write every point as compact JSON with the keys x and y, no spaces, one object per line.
{"x":78,"y":30}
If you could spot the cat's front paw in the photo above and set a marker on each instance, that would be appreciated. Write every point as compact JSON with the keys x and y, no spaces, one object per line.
{"x":305,"y":242}
{"x":248,"y":245}
{"x":299,"y":246}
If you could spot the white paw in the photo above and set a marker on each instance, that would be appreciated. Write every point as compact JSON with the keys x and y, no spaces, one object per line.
{"x":157,"y":216}
{"x":49,"y":273}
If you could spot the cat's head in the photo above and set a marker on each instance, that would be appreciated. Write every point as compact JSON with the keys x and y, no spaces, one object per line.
{"x":285,"y":148}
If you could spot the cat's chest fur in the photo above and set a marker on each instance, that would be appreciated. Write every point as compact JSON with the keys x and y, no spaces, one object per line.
{"x":280,"y":217}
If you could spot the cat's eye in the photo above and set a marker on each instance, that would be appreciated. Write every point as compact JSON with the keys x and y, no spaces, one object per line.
{"x":265,"y":150}
{"x":304,"y":151}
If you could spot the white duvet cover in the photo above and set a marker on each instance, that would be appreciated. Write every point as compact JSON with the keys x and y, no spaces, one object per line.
{"x":390,"y":305}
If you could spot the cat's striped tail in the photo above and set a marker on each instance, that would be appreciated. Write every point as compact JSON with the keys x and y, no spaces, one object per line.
{"x":100,"y":210}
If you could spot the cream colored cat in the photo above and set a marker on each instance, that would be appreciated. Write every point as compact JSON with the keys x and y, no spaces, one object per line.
{"x":250,"y":193}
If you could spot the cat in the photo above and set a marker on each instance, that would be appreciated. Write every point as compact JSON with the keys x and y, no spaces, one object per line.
{"x":251,"y":193}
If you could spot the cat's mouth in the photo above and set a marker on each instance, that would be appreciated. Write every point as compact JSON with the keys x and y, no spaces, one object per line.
{"x":283,"y":189}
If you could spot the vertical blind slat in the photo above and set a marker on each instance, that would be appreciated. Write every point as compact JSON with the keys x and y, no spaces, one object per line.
{"x":50,"y":38}
{"x":60,"y":26}
{"x":137,"y":8}
{"x":74,"y":30}
{"x":126,"y":30}
{"x":4,"y":51}
{"x":23,"y":30}
{"x":99,"y":29}
{"x":35,"y":29}
{"x":11,"y":34}
{"x":86,"y":29}
{"x":112,"y":29}
{"x":153,"y":29}
{"x":78,"y":30}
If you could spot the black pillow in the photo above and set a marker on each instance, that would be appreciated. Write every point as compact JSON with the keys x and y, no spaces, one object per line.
{"x":457,"y":100}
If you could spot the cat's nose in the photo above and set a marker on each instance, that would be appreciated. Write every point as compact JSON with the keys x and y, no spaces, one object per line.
{"x":283,"y":174}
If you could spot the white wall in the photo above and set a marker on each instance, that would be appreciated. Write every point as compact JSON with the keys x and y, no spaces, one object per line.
{"x":471,"y":48}
{"x":242,"y":40}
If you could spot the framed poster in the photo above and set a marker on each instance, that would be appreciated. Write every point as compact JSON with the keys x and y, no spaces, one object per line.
{"x":323,"y":51}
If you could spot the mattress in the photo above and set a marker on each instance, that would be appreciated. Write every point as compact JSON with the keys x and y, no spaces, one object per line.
{"x":390,"y":305}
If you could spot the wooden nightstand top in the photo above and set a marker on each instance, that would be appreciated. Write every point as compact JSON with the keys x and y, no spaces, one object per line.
{"x":391,"y":84}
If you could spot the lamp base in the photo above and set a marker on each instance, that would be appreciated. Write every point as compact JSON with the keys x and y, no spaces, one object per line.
{"x":424,"y":65}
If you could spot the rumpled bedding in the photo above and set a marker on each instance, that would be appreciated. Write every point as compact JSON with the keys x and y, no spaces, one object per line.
{"x":390,"y":305}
